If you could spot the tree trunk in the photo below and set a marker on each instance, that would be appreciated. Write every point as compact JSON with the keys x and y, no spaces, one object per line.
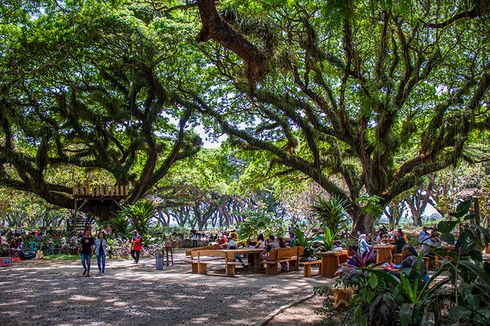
{"x":362,"y":223}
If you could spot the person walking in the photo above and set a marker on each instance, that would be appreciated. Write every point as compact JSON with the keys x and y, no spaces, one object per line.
{"x":194,"y":238}
{"x":136,"y":246}
{"x":101,"y":247}
{"x":86,"y":250}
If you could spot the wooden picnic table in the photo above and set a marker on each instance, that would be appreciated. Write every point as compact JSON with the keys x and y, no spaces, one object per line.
{"x":331,"y":261}
{"x":384,"y":253}
{"x":202,"y":257}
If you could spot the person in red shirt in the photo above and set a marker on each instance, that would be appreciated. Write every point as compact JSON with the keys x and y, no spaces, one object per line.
{"x":223,"y":240}
{"x":136,"y":246}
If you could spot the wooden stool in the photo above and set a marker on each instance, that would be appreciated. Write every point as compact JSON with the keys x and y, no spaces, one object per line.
{"x":307,"y":267}
{"x":437,"y":262}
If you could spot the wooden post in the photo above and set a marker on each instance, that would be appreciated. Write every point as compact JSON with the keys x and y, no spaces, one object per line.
{"x":307,"y":270}
{"x":271,"y":269}
{"x":230,"y":270}
{"x":195,"y":267}
{"x":202,"y":268}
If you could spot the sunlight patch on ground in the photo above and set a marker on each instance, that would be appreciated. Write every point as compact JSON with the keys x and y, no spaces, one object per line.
{"x":120,"y":304}
{"x":200,"y":320}
{"x":58,"y":302}
{"x":78,"y":297}
{"x":12,"y":302}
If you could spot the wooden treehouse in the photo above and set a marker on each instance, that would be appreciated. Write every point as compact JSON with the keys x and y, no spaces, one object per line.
{"x":101,"y":191}
{"x":100,"y":201}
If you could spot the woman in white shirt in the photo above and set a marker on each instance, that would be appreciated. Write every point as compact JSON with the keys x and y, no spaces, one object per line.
{"x":101,"y":248}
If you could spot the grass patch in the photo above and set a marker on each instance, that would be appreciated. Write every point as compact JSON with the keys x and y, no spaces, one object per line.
{"x":62,"y":257}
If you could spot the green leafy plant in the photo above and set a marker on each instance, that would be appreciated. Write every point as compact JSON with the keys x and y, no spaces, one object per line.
{"x":468,"y":273}
{"x":331,"y":213}
{"x":304,"y":240}
{"x":384,"y":297}
{"x":327,"y":239}
{"x":138,"y":215}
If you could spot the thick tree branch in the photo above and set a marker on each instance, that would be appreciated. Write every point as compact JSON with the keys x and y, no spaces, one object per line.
{"x":216,"y":28}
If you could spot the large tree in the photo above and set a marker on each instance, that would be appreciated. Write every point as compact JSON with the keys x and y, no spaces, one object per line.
{"x":88,"y":86}
{"x":377,"y":93}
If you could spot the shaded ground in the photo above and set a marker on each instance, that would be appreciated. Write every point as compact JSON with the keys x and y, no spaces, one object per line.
{"x":301,"y":314}
{"x":55,"y":293}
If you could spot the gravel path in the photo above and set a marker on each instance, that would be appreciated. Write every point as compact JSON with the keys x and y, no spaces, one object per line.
{"x":55,"y":293}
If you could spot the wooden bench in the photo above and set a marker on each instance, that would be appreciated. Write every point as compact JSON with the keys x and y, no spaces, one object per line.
{"x":282,"y":255}
{"x":189,"y":258}
{"x":188,"y":252}
{"x":307,"y":267}
{"x":202,"y":258}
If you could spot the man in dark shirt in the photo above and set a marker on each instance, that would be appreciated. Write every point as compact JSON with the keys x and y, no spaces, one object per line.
{"x":87,"y":245}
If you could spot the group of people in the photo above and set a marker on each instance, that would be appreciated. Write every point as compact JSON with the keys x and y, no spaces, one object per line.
{"x":231,"y":238}
{"x":99,"y":246}
{"x":407,"y":251}
{"x":399,"y":239}
{"x":197,"y":236}
{"x":16,"y":248}
{"x":429,"y":240}
{"x":89,"y":246}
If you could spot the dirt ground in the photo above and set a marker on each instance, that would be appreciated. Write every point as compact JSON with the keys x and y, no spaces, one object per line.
{"x":56,"y":293}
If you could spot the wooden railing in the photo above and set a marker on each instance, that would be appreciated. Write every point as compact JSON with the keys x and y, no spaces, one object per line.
{"x":100,"y":191}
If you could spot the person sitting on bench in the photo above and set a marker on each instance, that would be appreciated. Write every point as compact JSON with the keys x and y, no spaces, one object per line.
{"x":25,"y":255}
{"x":231,"y":244}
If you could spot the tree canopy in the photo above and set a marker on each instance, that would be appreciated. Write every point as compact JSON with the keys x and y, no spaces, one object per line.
{"x":378,"y":94}
{"x":363,"y":97}
{"x":88,"y":86}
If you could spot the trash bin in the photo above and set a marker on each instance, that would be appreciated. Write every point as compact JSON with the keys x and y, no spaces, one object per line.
{"x":159,"y":261}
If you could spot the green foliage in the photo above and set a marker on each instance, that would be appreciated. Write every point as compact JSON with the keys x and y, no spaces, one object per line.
{"x":113,"y":89}
{"x":259,"y":221}
{"x":89,"y":92}
{"x":371,"y":205}
{"x":472,"y":238}
{"x":119,"y":225}
{"x":373,"y":116}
